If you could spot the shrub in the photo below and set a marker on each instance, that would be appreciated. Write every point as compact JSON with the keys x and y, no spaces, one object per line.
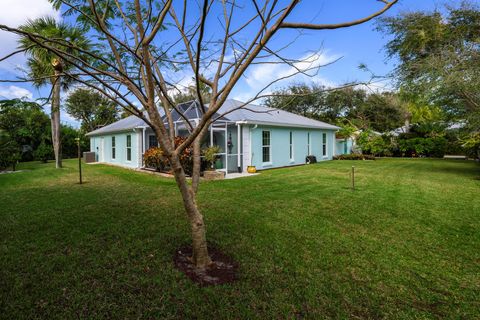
{"x":154,"y":159}
{"x":438,"y":147}
{"x":375,"y":145}
{"x":354,"y":156}
{"x":9,"y":155}
{"x":44,"y":152}
{"x":186,"y":157}
{"x":210,"y":155}
{"x":471,"y":143}
{"x":427,"y":147}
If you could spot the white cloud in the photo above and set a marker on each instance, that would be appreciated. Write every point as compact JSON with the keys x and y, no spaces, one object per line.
{"x":259,"y":76}
{"x":14,"y":92}
{"x":263,"y":74}
{"x":13,"y":13}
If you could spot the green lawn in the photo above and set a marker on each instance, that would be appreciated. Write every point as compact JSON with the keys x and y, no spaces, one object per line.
{"x":405,"y":244}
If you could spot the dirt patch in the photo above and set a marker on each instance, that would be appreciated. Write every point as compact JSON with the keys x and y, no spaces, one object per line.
{"x":223,"y":269}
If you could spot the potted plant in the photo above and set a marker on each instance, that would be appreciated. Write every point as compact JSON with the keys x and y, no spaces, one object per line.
{"x":210,"y":155}
{"x":251,"y":169}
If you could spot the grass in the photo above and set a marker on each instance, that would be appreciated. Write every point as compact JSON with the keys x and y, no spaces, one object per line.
{"x":405,"y":244}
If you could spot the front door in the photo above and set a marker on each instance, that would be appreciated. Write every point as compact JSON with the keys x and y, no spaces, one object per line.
{"x":219,"y":138}
{"x":101,"y":151}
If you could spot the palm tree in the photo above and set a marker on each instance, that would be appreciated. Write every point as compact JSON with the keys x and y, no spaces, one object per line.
{"x":46,"y":68}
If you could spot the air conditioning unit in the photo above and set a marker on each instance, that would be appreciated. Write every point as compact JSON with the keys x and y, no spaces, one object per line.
{"x":310,"y":159}
{"x":89,"y":157}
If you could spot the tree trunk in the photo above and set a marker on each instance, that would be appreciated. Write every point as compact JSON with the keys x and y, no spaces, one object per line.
{"x":197,"y":160}
{"x":408,"y":117}
{"x":55,"y":120}
{"x":200,"y":257}
{"x":197,"y":163}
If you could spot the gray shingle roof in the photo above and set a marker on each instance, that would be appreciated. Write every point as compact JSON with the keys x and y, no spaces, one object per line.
{"x":234,"y":111}
{"x":128,"y":123}
{"x":256,"y":114}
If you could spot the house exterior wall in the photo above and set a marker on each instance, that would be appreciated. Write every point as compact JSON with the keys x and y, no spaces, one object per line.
{"x":102,"y":146}
{"x":251,"y":140}
{"x":280,"y":146}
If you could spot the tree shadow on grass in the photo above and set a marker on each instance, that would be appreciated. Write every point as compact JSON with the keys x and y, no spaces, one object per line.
{"x":462,"y":168}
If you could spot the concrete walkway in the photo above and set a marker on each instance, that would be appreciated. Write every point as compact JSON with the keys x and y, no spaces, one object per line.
{"x":240,"y":175}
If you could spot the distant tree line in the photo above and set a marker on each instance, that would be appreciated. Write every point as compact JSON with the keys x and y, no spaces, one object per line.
{"x":377,"y":111}
{"x":25,"y":134}
{"x":437,"y":83}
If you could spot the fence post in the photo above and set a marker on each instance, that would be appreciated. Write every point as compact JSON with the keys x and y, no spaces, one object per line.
{"x":79,"y":160}
{"x":353,"y":178}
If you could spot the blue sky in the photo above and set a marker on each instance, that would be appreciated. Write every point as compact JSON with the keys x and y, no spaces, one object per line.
{"x":359,"y":44}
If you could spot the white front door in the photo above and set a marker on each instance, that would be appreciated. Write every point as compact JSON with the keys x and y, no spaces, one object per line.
{"x":101,"y":150}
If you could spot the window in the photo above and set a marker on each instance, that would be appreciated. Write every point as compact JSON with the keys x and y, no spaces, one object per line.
{"x":152,"y":141}
{"x":266,"y":146}
{"x":113,"y":148}
{"x":324,"y":144}
{"x":308,"y":144}
{"x":291,"y":146}
{"x":129,"y":148}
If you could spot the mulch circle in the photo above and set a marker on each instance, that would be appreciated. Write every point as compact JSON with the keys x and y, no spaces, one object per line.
{"x":223,"y":269}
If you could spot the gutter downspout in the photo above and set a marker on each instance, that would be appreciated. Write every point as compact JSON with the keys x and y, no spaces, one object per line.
{"x":239,"y":141}
{"x":251,"y":153}
{"x":143,"y":145}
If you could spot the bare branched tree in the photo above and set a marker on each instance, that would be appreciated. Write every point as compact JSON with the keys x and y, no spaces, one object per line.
{"x":140,"y":45}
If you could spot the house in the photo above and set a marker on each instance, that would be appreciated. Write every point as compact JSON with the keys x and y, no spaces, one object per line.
{"x":344,"y":145}
{"x":249,"y":135}
{"x":453,"y":126}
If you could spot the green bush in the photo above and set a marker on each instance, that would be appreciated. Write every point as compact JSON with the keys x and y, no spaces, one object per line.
{"x":425,"y":147}
{"x":9,"y":156}
{"x":354,"y":156}
{"x":375,"y":144}
{"x":471,"y":143}
{"x":154,"y":159}
{"x":44,"y":152}
{"x":210,"y":155}
{"x":69,"y":144}
{"x":10,"y":151}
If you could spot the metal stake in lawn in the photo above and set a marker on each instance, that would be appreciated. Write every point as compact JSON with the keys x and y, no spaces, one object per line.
{"x":353,"y":178}
{"x":79,"y":160}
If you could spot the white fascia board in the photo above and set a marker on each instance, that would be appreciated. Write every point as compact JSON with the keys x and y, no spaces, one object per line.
{"x":92,"y":134}
{"x":278,"y":124}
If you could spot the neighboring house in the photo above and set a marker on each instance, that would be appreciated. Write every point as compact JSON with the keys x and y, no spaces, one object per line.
{"x":344,"y":146}
{"x":349,"y":145}
{"x":250,"y":135}
{"x":448,"y":127}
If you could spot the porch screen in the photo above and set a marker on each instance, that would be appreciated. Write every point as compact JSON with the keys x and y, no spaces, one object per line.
{"x":152,"y":141}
